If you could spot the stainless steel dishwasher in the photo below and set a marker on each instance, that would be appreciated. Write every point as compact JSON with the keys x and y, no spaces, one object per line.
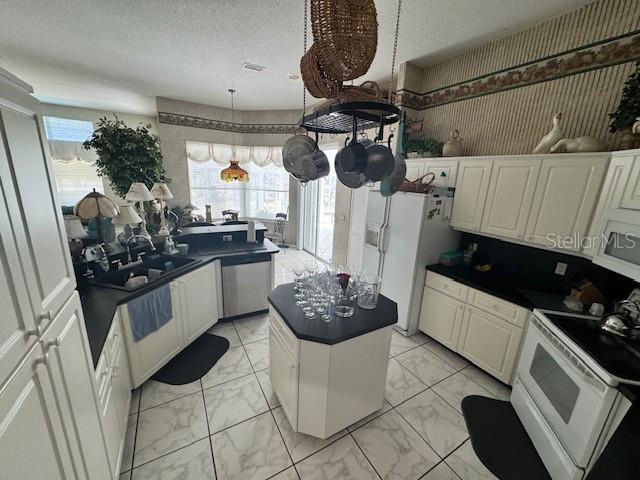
{"x":246,"y":282}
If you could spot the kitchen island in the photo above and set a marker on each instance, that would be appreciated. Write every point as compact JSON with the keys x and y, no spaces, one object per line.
{"x":328,"y":375}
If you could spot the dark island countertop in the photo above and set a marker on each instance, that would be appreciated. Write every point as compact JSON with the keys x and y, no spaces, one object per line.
{"x":338,"y":329}
{"x":99,"y":303}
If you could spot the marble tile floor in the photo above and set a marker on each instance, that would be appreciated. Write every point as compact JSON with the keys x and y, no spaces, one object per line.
{"x":229,"y":424}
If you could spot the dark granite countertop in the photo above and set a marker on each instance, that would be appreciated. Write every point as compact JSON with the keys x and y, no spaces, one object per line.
{"x":338,"y":329}
{"x":99,"y":304}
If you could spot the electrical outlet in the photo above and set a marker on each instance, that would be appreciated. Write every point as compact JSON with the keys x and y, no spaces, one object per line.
{"x":561,"y":268}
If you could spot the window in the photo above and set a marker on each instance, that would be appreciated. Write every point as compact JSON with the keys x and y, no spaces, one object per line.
{"x":265,"y":194}
{"x":74,"y":180}
{"x":57,"y":128}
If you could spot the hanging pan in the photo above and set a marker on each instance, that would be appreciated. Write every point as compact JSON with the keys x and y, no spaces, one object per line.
{"x":295,"y":149}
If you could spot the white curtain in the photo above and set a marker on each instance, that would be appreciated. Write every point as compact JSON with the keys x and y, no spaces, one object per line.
{"x":221,"y":154}
{"x":69,"y":152}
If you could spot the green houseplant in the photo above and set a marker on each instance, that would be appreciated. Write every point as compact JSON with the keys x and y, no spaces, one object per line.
{"x":628,"y":110}
{"x":126,"y":155}
{"x":423,"y":146}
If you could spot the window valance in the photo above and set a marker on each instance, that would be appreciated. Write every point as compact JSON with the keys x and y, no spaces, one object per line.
{"x":200,"y":152}
{"x":68,"y":152}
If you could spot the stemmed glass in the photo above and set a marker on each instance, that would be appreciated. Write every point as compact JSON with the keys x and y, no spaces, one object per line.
{"x":298,"y":271}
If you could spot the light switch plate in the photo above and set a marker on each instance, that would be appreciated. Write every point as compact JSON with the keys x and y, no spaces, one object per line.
{"x":561,"y":268}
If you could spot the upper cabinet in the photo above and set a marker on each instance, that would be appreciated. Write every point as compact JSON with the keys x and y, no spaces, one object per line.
{"x":39,"y":233}
{"x":471,"y":192}
{"x":631,"y":196}
{"x":565,"y":198}
{"x":510,"y":196}
{"x":445,"y":170}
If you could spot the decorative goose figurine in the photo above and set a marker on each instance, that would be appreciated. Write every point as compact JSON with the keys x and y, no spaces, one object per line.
{"x":635,"y":129}
{"x":554,"y":136}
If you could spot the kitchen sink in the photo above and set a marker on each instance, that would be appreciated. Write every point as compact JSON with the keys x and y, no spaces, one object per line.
{"x":117,"y":279}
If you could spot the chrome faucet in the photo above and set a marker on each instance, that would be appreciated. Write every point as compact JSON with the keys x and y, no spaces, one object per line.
{"x":133,"y":237}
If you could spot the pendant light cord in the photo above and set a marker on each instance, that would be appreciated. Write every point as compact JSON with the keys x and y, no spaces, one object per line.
{"x":395,"y":49}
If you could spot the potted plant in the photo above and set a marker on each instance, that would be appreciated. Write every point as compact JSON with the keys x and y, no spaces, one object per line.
{"x":628,"y":111}
{"x":423,"y":147}
{"x":126,"y":155}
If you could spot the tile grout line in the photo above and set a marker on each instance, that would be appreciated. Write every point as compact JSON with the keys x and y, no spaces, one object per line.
{"x":365,"y":455}
{"x":135,"y":436}
{"x":206,"y":416}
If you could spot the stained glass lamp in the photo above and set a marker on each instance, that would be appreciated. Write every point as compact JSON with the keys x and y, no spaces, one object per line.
{"x":234,"y":172}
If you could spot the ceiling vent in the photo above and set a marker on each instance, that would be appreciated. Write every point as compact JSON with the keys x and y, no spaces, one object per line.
{"x":252,"y":67}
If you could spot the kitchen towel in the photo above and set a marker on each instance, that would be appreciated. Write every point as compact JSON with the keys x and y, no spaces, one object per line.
{"x":150,"y":312}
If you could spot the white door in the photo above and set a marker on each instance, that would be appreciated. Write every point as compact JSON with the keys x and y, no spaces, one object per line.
{"x":513,"y":182}
{"x":32,"y":438}
{"x":71,"y":368}
{"x":17,"y":314}
{"x":284,"y":376}
{"x":490,"y":343}
{"x":441,"y":317}
{"x":199,"y":302}
{"x":471,"y":193}
{"x":631,"y":196}
{"x":43,"y":251}
{"x":564,"y":200}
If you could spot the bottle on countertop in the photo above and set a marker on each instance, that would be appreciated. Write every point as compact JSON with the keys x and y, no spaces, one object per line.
{"x":251,"y":231}
{"x":469,"y":252}
{"x":208,"y":213}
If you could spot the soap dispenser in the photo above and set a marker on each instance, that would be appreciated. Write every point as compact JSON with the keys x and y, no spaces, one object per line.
{"x":251,"y":231}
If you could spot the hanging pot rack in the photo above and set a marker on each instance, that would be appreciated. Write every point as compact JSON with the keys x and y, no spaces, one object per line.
{"x":342,"y":117}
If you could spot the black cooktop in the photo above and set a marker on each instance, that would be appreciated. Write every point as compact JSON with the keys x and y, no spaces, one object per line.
{"x":618,"y":356}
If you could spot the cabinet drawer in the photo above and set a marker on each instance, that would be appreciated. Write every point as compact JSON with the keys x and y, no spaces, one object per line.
{"x":514,"y":314}
{"x":446,"y":285}
{"x":288,"y":339}
{"x":114,"y":340}
{"x":102,"y":376}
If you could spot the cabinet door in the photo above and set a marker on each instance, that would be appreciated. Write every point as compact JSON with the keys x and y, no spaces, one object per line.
{"x":631,"y":196}
{"x":509,"y":198}
{"x":445,"y":171}
{"x":284,"y":376}
{"x":564,"y":200}
{"x":199,"y":302}
{"x":71,"y":368}
{"x":43,"y":250}
{"x":17,"y":314}
{"x":32,"y":438}
{"x":440,"y":317}
{"x":152,"y":352}
{"x":415,"y":168}
{"x":490,"y":343}
{"x":471,"y":193}
{"x":119,"y":370}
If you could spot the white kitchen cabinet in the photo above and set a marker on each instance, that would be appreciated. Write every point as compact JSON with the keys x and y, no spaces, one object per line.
{"x":70,"y":365}
{"x":284,"y":369}
{"x":510,"y":195}
{"x":490,"y":342}
{"x":631,"y":196}
{"x":151,"y":353}
{"x":198,"y":301}
{"x":32,"y":438}
{"x":471,"y":192}
{"x":441,"y":317}
{"x":415,"y":168}
{"x":39,"y":232}
{"x":445,"y":170}
{"x":565,"y":199}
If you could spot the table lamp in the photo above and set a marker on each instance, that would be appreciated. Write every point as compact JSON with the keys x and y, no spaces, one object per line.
{"x":97,"y":206}
{"x":75,"y":231}
{"x":138,"y":192}
{"x":161,"y":192}
{"x":127,"y":217}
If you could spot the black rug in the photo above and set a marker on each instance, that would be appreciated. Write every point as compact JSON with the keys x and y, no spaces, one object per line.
{"x":194,"y":361}
{"x":500,"y":440}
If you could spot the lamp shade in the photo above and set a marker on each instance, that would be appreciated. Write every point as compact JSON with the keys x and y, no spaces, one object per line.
{"x":73,"y":227}
{"x":95,"y":205}
{"x":161,"y":191}
{"x":138,"y":192}
{"x":127,"y":216}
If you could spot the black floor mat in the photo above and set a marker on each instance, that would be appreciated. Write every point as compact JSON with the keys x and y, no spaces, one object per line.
{"x":500,"y":440}
{"x":194,"y":361}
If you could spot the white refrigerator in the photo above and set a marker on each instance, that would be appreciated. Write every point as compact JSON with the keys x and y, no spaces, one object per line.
{"x":404,"y":233}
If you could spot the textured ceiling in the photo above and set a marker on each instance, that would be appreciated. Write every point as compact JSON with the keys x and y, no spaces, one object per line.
{"x":119,"y":54}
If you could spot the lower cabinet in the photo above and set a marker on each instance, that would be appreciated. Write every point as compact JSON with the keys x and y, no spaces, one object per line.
{"x":484,"y":329}
{"x":199,"y":302}
{"x":33,"y":443}
{"x":490,"y":343}
{"x":284,"y":369}
{"x":441,"y":317}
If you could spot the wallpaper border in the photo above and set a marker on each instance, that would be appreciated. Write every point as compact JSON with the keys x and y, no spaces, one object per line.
{"x":612,"y":51}
{"x":211,"y":124}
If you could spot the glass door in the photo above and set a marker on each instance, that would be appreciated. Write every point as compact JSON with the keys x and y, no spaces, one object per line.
{"x":318,"y":213}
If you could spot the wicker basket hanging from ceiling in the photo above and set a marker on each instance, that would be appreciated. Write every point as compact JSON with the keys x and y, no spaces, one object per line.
{"x":346,"y":35}
{"x":315,"y":79}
